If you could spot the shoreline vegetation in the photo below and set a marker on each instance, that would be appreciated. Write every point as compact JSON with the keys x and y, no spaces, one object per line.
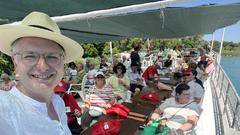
{"x":229,"y":48}
{"x":231,"y":53}
{"x":95,"y":51}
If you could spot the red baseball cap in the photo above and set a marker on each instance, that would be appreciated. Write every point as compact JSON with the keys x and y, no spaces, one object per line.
{"x":151,"y":96}
{"x":118,"y":109}
{"x":61,"y":87}
{"x":187,"y":71}
{"x":106,"y":127}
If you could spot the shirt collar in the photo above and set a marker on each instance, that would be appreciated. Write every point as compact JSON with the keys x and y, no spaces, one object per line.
{"x":34,"y":104}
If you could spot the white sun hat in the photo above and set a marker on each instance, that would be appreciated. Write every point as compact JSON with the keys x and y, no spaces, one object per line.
{"x":38,"y":24}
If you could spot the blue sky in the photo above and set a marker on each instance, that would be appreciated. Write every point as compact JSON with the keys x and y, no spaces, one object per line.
{"x":232,"y":33}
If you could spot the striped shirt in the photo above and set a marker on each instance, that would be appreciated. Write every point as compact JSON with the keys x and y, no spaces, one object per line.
{"x":100,"y":97}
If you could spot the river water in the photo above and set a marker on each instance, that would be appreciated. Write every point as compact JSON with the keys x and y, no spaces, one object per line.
{"x":231,"y":65}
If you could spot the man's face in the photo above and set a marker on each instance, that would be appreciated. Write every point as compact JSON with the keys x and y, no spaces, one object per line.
{"x":119,"y":70}
{"x":79,"y":67}
{"x":91,"y":66}
{"x":184,"y":97}
{"x":134,"y":68}
{"x":188,"y":77}
{"x":40,"y":65}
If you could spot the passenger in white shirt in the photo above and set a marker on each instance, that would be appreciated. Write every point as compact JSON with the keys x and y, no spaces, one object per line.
{"x":196,"y":89}
{"x":135,"y":78}
{"x":181,"y":112}
{"x":91,"y":73}
{"x":38,"y":51}
{"x":72,"y":71}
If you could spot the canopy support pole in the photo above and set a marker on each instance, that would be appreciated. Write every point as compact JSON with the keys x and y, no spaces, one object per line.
{"x":148,"y":43}
{"x":220,"y":51}
{"x":111,"y":52}
{"x":212,"y":42}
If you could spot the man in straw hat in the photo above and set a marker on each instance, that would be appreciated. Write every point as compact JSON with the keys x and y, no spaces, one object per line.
{"x":39,"y":51}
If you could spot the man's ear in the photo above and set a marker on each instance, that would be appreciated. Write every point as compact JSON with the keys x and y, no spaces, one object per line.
{"x":14,"y":63}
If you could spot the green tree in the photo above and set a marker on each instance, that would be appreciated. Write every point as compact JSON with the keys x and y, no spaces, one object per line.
{"x":90,"y":50}
{"x":6,"y":65}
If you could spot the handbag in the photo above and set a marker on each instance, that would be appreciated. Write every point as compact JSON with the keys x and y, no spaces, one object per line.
{"x":95,"y":111}
{"x":152,"y":128}
{"x":119,"y":110}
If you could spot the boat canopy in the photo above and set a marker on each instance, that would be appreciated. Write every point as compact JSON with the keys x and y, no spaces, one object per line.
{"x":166,"y":22}
{"x":162,"y":23}
{"x":15,"y":10}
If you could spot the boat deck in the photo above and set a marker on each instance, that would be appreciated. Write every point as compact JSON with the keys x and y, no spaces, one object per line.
{"x":206,"y":123}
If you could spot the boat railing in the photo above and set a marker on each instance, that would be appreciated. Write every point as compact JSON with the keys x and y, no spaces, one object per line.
{"x":227,"y":100}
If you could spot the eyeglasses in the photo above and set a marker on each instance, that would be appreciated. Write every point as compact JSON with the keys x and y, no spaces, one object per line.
{"x":100,"y":77}
{"x":32,"y":58}
{"x":119,"y":68}
{"x":186,"y":74}
{"x":59,"y":92}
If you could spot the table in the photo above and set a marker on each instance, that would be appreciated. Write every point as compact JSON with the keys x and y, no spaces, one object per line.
{"x":129,"y":126}
{"x":163,"y":94}
{"x":167,"y":79}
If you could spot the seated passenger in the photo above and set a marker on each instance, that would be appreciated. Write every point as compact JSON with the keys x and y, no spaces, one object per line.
{"x":196,"y":89}
{"x":103,"y":65}
{"x":71,"y":71}
{"x":98,"y":98}
{"x":205,"y":71}
{"x":210,"y":66}
{"x":195,"y":73}
{"x":90,"y":74}
{"x":7,"y":84}
{"x":136,"y":82}
{"x":168,"y":62}
{"x":80,"y":73}
{"x":119,"y":82}
{"x":181,"y":114}
{"x":151,"y":72}
{"x":72,"y":109}
{"x":179,"y":79}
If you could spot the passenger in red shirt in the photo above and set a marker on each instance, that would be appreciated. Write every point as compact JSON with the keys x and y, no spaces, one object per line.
{"x":72,"y":109}
{"x":151,"y":72}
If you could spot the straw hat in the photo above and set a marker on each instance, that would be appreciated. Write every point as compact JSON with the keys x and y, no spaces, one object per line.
{"x":38,"y":24}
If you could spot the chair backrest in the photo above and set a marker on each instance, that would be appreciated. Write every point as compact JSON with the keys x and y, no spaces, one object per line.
{"x":72,"y":88}
{"x":84,"y":81}
{"x":77,"y":89}
{"x":84,"y":86}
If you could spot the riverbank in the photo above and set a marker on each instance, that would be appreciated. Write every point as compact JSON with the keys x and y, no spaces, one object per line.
{"x":231,"y":53}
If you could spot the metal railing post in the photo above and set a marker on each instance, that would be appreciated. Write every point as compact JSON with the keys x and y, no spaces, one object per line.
{"x":225,"y":101}
{"x":235,"y":115}
{"x":220,"y":87}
